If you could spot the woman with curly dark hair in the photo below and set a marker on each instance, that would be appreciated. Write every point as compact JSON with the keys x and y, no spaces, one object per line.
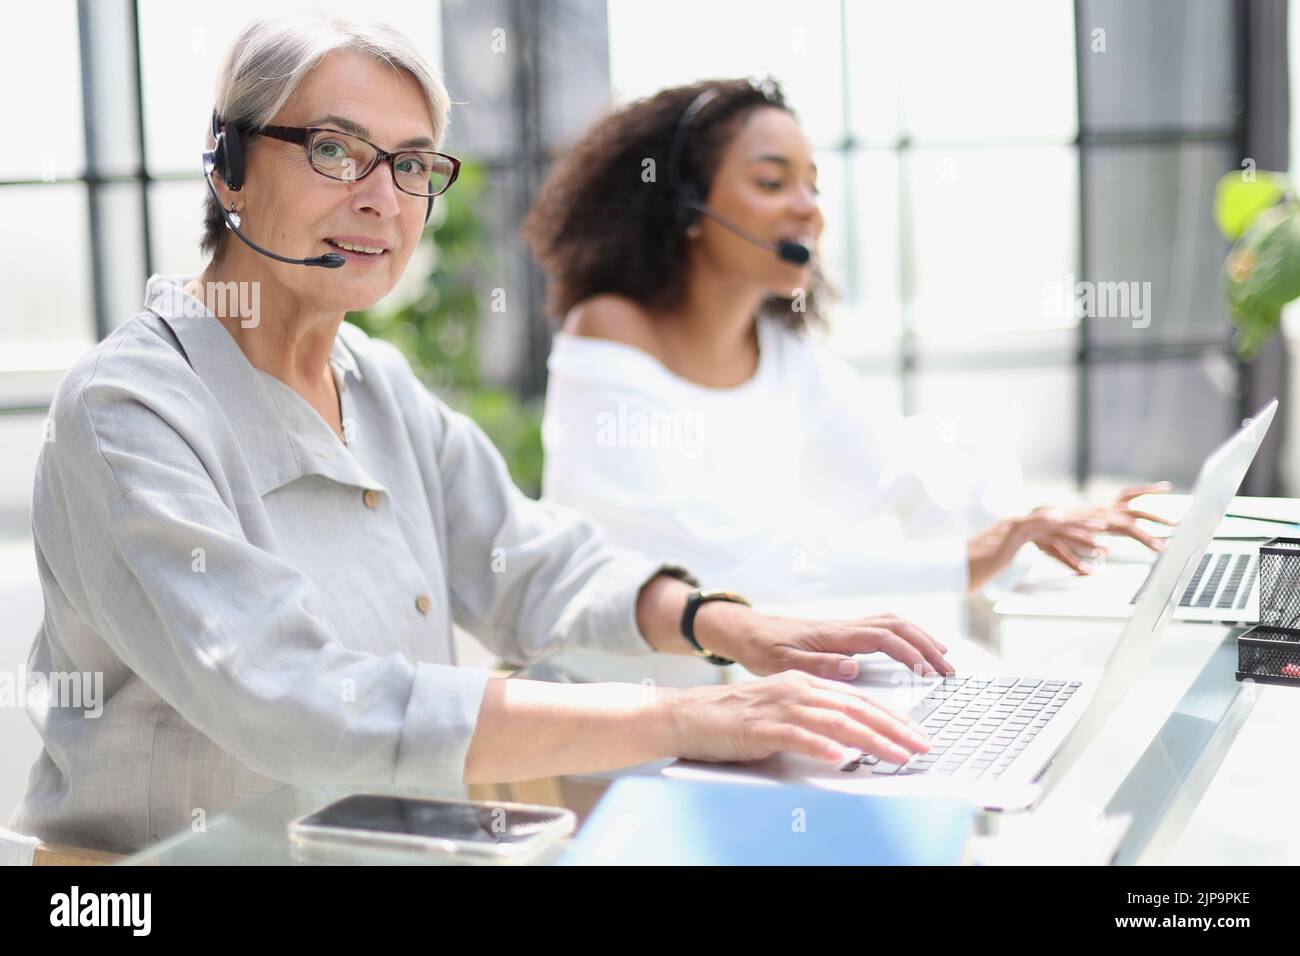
{"x":607,"y":221}
{"x":689,"y":408}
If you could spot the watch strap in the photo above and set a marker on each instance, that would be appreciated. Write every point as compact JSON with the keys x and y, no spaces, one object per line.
{"x":697,"y":598}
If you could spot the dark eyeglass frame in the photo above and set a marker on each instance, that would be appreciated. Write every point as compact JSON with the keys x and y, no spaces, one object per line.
{"x":302,"y":135}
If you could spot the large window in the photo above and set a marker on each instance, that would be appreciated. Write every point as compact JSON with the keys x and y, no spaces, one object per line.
{"x":45,"y":266}
{"x":979,"y":160}
{"x":109,"y":189}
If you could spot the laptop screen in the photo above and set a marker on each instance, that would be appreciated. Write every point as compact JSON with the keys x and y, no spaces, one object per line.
{"x":1216,"y":485}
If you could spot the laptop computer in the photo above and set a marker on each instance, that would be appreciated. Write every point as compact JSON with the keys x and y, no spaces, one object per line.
{"x":994,"y":736}
{"x":1224,"y":588}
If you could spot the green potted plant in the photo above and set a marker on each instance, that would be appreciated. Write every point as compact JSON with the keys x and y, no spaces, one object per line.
{"x":1257,"y":213}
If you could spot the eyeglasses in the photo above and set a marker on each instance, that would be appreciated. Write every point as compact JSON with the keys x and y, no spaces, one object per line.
{"x":348,"y":158}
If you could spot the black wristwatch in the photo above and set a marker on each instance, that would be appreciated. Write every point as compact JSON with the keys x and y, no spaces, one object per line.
{"x":701,"y":596}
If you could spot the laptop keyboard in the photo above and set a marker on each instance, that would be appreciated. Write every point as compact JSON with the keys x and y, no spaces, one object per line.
{"x":977,"y":727}
{"x":1221,"y":581}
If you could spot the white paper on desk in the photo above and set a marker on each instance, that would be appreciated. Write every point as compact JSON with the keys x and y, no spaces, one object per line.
{"x":1246,"y":528}
{"x":1173,"y":507}
{"x":1124,"y":548}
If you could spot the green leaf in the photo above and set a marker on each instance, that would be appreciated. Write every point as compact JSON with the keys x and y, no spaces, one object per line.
{"x":1238,"y":202}
{"x":1253,"y":330}
{"x":1262,"y":274}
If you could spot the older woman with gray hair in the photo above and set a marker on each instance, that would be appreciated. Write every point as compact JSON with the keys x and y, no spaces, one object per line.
{"x":259,"y":527}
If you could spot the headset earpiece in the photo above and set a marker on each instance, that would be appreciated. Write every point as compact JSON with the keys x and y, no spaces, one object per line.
{"x":685,"y":194}
{"x":685,"y":214}
{"x":232,"y":169}
{"x":228,"y":154}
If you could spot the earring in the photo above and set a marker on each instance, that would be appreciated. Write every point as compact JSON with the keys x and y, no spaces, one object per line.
{"x":234,"y":216}
{"x":693,"y":230}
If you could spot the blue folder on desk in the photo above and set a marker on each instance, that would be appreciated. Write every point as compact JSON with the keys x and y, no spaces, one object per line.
{"x":659,"y":821}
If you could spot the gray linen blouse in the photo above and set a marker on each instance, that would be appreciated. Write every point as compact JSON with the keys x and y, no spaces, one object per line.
{"x":266,"y":604}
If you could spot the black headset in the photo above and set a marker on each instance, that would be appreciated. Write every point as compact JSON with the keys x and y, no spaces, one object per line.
{"x":228,"y":157}
{"x":688,"y":201}
{"x":687,"y":194}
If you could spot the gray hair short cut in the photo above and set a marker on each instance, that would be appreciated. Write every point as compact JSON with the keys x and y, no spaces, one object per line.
{"x":270,"y":58}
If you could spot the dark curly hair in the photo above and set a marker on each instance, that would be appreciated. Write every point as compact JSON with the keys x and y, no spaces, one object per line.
{"x":598,"y":227}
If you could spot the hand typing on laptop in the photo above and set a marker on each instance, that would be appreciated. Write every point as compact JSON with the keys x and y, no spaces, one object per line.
{"x":805,"y":704}
{"x":1120,"y":517}
{"x":792,"y":712}
{"x":768,"y":644}
{"x":1069,"y":535}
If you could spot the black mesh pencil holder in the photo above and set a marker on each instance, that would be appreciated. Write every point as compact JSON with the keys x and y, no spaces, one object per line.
{"x":1269,"y":655}
{"x":1279,"y":582}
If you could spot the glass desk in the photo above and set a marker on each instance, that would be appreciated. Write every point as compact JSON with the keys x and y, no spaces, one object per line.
{"x":1157,"y":783}
{"x":1133,"y":791}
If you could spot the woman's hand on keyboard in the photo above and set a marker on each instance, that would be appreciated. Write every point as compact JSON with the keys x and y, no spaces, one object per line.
{"x":1068,"y":535}
{"x":766,"y":644}
{"x":1120,"y":517}
{"x":792,"y":712}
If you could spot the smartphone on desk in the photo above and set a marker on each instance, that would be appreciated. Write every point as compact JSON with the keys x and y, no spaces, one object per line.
{"x":469,"y":830}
